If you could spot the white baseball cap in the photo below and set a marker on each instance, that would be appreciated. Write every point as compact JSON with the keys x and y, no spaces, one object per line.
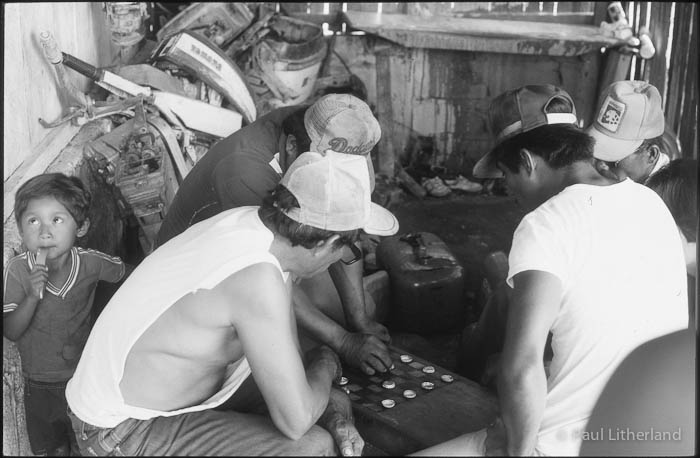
{"x":631,"y":113}
{"x":333,"y":191}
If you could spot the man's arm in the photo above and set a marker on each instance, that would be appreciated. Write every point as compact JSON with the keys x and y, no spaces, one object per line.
{"x":522,"y":384}
{"x":348,"y":282}
{"x":364,"y":351}
{"x":264,"y":321}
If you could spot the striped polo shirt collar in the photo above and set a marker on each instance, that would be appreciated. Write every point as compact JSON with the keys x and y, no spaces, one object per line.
{"x":72,"y":276}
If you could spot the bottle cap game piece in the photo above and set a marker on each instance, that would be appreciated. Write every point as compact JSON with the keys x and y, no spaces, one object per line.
{"x":388,"y":403}
{"x":427,"y":385}
{"x":447,"y":378}
{"x":428,"y":369}
{"x":343,"y":381}
{"x":388,"y":384}
{"x":409,"y":394}
{"x":392,"y":367}
{"x":406,"y":358}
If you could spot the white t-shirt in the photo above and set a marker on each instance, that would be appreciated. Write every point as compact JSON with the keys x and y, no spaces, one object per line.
{"x":199,"y":258}
{"x":617,"y":252}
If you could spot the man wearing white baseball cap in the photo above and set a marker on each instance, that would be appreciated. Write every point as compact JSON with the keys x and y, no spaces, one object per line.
{"x":333,"y":307}
{"x":628,"y":131}
{"x":197,"y":353}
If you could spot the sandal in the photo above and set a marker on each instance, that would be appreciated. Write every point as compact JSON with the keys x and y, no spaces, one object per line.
{"x":436,"y":187}
{"x":464,"y":184}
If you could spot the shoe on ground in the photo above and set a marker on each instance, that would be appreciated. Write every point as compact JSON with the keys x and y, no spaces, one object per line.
{"x":436,"y":187}
{"x":463,"y":184}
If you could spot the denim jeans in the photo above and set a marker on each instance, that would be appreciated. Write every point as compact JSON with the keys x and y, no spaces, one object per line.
{"x":48,"y":427}
{"x":213,"y":432}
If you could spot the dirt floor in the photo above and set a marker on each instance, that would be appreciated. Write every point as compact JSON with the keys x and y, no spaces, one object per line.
{"x":471,"y":226}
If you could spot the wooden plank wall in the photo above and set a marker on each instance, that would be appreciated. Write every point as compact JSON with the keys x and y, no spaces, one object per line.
{"x":30,"y":92}
{"x":674,"y":28}
{"x":80,"y":29}
{"x":566,"y":12}
{"x":445,"y":94}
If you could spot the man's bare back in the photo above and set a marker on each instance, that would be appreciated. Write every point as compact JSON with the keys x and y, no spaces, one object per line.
{"x":181,"y":359}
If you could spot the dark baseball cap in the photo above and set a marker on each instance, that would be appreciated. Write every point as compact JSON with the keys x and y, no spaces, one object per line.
{"x":520,"y":110}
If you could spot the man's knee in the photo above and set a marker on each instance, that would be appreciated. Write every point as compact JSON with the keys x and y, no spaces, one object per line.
{"x":317,"y":442}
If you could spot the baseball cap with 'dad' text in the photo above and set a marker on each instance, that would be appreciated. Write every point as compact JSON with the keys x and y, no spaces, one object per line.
{"x":345,"y":124}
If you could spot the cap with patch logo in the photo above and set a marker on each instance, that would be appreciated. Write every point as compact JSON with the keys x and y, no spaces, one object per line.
{"x":631,"y":112}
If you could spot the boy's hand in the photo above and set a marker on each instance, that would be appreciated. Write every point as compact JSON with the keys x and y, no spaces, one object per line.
{"x":36,"y":282}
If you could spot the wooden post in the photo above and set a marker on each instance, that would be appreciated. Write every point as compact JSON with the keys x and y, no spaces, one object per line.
{"x":688,"y":122}
{"x":385,"y":115}
{"x":659,"y":24}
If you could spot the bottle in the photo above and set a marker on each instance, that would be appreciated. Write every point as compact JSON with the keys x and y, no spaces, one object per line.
{"x":646,"y":48}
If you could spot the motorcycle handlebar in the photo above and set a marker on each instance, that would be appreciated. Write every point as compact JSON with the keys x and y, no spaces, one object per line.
{"x":81,"y":67}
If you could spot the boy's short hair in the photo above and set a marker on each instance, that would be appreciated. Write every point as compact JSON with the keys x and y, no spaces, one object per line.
{"x":676,"y":183}
{"x":68,"y":190}
{"x":272,"y":214}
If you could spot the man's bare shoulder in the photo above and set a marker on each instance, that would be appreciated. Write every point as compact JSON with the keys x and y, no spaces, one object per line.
{"x":255,"y":285}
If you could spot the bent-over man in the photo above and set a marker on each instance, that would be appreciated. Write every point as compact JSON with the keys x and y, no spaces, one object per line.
{"x":212,"y":307}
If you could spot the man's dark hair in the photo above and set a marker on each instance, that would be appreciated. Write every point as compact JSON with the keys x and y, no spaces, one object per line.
{"x":558,"y":144}
{"x":272,"y":215}
{"x":677,"y":183}
{"x":68,"y":190}
{"x":293,"y":124}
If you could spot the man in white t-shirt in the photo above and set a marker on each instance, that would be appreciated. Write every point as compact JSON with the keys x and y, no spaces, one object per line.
{"x":167,"y":367}
{"x":628,"y":132}
{"x":581,"y":267}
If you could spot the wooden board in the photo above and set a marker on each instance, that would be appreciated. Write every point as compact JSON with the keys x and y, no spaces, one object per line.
{"x":468,"y":34}
{"x":433,"y":416}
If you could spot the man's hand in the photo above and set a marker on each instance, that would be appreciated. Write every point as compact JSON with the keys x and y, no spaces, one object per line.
{"x":495,"y":444}
{"x":369,"y":326}
{"x":365,"y":351}
{"x":338,"y":421}
{"x":323,"y":354}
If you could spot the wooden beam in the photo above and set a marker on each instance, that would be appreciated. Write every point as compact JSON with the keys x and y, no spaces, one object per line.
{"x":655,"y":70}
{"x":679,"y":63}
{"x":386,"y":158}
{"x":487,"y":35}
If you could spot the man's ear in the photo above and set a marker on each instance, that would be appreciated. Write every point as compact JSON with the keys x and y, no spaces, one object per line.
{"x":528,"y":161}
{"x":654,"y":153}
{"x":291,"y":148}
{"x":84,"y":228}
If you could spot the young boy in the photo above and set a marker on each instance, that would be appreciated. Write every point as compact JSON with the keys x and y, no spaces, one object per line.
{"x":48,"y":293}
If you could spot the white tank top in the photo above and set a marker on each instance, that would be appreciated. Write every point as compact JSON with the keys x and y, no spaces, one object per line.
{"x":199,"y":258}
